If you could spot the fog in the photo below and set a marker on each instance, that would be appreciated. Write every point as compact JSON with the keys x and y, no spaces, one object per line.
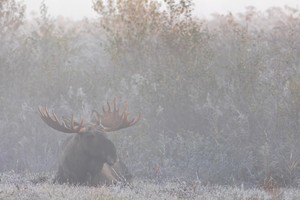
{"x":219,"y":98}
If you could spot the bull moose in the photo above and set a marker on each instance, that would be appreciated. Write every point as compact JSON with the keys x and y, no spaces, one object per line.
{"x":88,"y":157}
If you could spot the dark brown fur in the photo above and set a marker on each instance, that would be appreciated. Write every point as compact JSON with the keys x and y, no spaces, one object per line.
{"x":83,"y":157}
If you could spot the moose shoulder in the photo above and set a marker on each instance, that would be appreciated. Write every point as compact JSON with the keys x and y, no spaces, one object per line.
{"x":88,"y":156}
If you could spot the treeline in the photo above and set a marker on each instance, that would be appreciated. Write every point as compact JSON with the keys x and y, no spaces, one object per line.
{"x":220,"y":98}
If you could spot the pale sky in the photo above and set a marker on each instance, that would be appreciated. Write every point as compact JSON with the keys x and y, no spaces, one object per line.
{"x":78,"y":9}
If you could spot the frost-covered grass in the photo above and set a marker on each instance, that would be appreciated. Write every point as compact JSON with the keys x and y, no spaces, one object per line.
{"x":16,"y":186}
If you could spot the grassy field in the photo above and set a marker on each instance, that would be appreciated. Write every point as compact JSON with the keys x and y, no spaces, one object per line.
{"x":17,"y":186}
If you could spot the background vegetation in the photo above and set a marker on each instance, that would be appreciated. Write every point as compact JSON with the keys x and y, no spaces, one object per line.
{"x":220,"y":98}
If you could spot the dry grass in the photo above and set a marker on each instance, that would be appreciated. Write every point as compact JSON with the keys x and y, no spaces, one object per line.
{"x":16,"y":186}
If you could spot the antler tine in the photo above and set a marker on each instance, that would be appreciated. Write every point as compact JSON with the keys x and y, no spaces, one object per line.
{"x":131,"y":122}
{"x":103,"y":108}
{"x":135,"y":120}
{"x":80,"y":127}
{"x":115,"y":106}
{"x":97,"y":120}
{"x":45,"y":113}
{"x":126,"y":107}
{"x":66,"y":120}
{"x":108,"y":105}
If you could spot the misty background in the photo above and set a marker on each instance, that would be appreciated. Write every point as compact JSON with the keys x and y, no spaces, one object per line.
{"x":219,"y":98}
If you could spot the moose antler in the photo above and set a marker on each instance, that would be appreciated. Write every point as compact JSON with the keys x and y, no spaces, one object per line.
{"x":107,"y":122}
{"x":64,"y":125}
{"x":112,"y":120}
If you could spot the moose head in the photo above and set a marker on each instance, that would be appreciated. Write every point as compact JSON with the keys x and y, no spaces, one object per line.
{"x":87,"y":149}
